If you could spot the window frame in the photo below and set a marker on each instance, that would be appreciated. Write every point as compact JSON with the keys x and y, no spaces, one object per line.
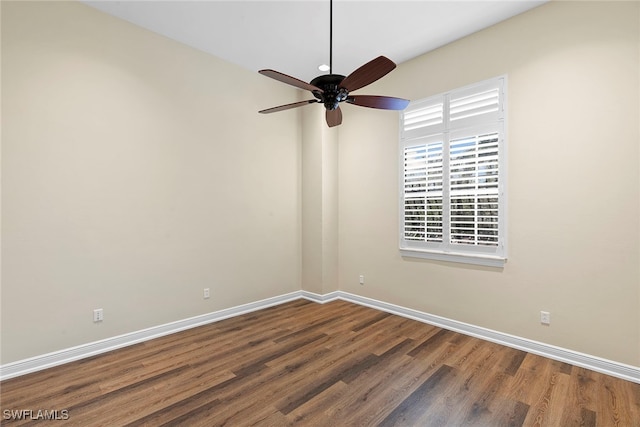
{"x":445,"y":129}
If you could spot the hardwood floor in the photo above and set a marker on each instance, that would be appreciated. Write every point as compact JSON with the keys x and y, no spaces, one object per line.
{"x":306,"y":364}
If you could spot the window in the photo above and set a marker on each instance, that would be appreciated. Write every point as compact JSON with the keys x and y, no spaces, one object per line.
{"x":453,"y":158}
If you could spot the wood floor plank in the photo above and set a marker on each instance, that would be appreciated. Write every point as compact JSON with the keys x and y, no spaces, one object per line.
{"x":546,"y":409}
{"x":477,"y":385}
{"x":386,"y":389}
{"x":318,"y":411}
{"x":613,"y":404}
{"x":579,"y":400}
{"x":418,"y":402}
{"x":513,"y":360}
{"x":371,"y":393}
{"x":307,"y":364}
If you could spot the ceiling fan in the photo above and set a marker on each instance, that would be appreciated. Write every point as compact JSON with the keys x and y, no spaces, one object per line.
{"x":332,"y":89}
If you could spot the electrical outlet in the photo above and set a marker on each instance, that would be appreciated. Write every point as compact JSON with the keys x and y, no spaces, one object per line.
{"x":362,"y":279}
{"x":206,"y":293}
{"x":545,"y":317}
{"x":98,"y":315}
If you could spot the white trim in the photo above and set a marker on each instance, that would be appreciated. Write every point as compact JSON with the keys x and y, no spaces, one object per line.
{"x":56,"y":358}
{"x":446,"y":133}
{"x":466,"y":258}
{"x":320,"y":299}
{"x":608,"y":367}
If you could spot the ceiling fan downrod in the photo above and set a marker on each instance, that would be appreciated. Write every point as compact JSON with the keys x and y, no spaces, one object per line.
{"x":332,"y":93}
{"x":330,"y":36}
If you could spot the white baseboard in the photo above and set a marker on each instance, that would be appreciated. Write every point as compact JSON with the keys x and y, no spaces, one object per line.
{"x":321,"y":299}
{"x":37,"y":363}
{"x":615,"y":369}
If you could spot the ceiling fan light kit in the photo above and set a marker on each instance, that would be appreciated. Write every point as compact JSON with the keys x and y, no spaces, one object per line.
{"x":332,"y":89}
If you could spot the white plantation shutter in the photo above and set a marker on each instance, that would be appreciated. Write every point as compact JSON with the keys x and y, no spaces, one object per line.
{"x":415,"y":190}
{"x":474,"y":191}
{"x":453,"y":175}
{"x":424,"y":116}
{"x":477,"y":104}
{"x":423,"y":192}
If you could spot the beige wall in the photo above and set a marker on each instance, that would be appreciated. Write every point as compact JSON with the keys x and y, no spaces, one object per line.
{"x":135,"y":173}
{"x":573,"y":182}
{"x":319,"y":203}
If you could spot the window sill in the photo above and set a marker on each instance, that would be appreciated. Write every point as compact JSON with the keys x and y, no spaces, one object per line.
{"x":475,"y":259}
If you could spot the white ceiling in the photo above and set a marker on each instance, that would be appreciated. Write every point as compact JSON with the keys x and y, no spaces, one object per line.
{"x":293,"y":36}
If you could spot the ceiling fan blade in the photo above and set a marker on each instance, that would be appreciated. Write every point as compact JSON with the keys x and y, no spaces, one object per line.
{"x":382,"y":102}
{"x":289,"y":80}
{"x":368,"y":73}
{"x":334,"y":117}
{"x":288,"y":106}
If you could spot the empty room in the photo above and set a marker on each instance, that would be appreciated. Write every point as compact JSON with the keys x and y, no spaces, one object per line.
{"x":323,"y":212}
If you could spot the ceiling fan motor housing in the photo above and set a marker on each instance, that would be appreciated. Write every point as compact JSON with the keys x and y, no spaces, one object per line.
{"x":332,"y":94}
{"x":332,"y":89}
